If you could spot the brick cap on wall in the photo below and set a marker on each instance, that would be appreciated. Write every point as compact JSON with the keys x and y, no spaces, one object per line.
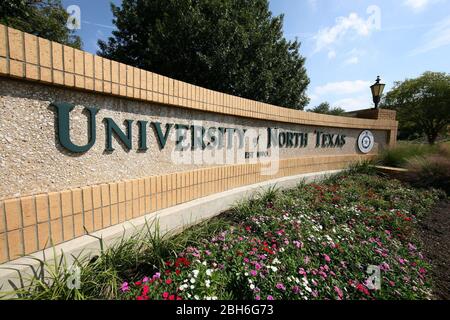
{"x":31,"y":58}
{"x":377,"y":114}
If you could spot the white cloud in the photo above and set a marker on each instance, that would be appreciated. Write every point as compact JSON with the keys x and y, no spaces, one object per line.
{"x":351,"y":104}
{"x":343,"y":87}
{"x":436,"y":38}
{"x":326,"y":37}
{"x":351,"y":60}
{"x":419,"y":5}
{"x":331,"y":54}
{"x":416,"y":4}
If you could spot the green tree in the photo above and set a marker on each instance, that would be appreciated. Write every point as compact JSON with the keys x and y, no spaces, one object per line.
{"x":422,"y":104}
{"x":233,"y":46}
{"x":325,"y":108}
{"x":45,"y":19}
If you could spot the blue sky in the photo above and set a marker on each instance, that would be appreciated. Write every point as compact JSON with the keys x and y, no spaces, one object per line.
{"x":347,"y":43}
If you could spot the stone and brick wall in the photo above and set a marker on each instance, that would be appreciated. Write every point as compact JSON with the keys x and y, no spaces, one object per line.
{"x":49,"y":195}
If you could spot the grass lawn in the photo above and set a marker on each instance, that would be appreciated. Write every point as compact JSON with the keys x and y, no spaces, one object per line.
{"x":312,"y":242}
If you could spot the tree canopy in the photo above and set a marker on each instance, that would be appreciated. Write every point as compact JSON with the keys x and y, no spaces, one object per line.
{"x":325,"y":108}
{"x":45,"y":19}
{"x":422,"y":104}
{"x":233,"y":46}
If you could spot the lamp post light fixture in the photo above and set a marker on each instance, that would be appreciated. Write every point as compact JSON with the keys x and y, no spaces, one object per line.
{"x":377,"y":90}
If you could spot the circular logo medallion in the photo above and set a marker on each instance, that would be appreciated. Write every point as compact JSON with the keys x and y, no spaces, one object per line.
{"x":366,"y":141}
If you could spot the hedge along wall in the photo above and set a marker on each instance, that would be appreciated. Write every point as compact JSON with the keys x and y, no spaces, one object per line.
{"x":152,"y":147}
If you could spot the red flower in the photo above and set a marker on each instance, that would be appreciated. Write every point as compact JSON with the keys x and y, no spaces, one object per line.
{"x":177,"y":272}
{"x":168,"y":281}
{"x":165,"y":295}
{"x":183,"y":261}
{"x":167,"y":272}
{"x":172,"y":297}
{"x":145,"y":290}
{"x":138,"y":283}
{"x":168,"y":263}
{"x":362,"y":289}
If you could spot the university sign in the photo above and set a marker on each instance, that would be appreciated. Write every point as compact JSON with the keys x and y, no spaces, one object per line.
{"x":87,"y":144}
{"x":200,"y":137}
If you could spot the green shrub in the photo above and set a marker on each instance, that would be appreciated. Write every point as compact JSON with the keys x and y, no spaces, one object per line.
{"x":399,"y":156}
{"x":430,"y":171}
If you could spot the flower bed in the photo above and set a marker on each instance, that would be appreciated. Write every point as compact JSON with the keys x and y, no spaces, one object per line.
{"x":313,"y":242}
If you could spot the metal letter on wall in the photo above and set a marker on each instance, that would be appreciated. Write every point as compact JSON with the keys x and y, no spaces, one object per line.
{"x":63,"y":110}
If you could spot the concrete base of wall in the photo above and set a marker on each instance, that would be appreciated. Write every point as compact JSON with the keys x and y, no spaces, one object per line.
{"x":15,"y":273}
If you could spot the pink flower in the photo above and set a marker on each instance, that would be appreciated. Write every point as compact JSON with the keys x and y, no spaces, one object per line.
{"x":258,"y":298}
{"x":269,"y":298}
{"x":339,"y":292}
{"x":125,"y":287}
{"x":385,"y":267}
{"x":327,"y":257}
{"x":253,"y":273}
{"x":298,"y":244}
{"x":302,"y":272}
{"x":280,"y":286}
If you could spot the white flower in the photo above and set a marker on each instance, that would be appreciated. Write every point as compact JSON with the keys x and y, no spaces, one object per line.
{"x":192,"y":287}
{"x":209,"y":272}
{"x":204,"y":263}
{"x":274,"y":269}
{"x":214,"y":298}
{"x":196,"y":297}
{"x":192,"y":280}
{"x":208,"y":283}
{"x":246,"y":274}
{"x":252,"y":286}
{"x":184,"y":286}
{"x":276,"y":261}
{"x":195,"y":272}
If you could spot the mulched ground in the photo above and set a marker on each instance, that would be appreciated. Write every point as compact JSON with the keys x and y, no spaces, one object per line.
{"x":435,"y":233}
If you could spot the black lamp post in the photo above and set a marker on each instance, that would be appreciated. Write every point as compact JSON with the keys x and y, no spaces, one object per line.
{"x":377,"y":90}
